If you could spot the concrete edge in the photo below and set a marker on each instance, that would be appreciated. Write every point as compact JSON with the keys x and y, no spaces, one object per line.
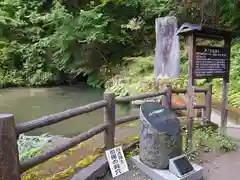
{"x":98,"y":168}
{"x":163,"y":174}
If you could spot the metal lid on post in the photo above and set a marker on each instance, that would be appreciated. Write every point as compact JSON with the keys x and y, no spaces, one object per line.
{"x":203,"y":31}
{"x":161,"y":119}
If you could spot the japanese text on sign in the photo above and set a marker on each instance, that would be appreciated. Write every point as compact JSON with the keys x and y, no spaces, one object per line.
{"x":116,"y":161}
{"x":211,"y":62}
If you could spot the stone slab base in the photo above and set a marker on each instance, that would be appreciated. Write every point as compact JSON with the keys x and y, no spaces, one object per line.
{"x":157,"y":174}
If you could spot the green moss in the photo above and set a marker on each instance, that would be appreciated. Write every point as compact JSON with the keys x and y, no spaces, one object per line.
{"x":30,"y":175}
{"x":35,"y":173}
{"x":88,"y":160}
{"x":63,"y":174}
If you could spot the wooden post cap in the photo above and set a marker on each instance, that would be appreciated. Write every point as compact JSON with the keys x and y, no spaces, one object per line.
{"x":6,"y":116}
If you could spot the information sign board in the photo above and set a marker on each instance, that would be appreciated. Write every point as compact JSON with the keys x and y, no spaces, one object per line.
{"x":211,"y":62}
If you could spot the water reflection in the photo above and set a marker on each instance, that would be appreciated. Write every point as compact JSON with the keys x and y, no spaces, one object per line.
{"x":31,"y":103}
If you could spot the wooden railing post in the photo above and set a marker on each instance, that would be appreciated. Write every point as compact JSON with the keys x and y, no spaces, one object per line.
{"x":208,"y":101}
{"x":9,"y":157}
{"x":109,"y":118}
{"x":167,"y":98}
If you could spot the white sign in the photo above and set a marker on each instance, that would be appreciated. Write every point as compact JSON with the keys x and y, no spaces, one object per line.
{"x":116,"y":161}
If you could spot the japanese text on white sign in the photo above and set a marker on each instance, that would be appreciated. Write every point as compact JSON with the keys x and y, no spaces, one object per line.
{"x":116,"y":161}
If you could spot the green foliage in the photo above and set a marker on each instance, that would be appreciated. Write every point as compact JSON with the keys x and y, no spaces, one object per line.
{"x":234,"y":84}
{"x":137,"y":76}
{"x":216,"y":13}
{"x":40,"y":39}
{"x":208,"y":138}
{"x":22,"y":48}
{"x":211,"y":138}
{"x":229,"y":13}
{"x":31,"y":146}
{"x":133,"y":152}
{"x":133,"y":70}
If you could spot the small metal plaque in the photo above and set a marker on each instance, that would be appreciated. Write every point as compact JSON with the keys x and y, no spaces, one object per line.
{"x":183,"y":165}
{"x":180,"y":166}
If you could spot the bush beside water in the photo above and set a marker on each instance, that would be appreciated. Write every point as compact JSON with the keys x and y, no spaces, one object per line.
{"x":31,"y":146}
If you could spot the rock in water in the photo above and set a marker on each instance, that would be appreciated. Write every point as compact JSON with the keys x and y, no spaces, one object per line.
{"x":160,"y":137}
{"x":167,"y":51}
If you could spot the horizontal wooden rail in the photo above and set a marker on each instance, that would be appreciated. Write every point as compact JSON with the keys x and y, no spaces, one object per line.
{"x":200,"y":90}
{"x":178,"y":108}
{"x":184,"y":107}
{"x":128,"y":99}
{"x":61,"y":148}
{"x":179,"y":91}
{"x":184,"y":91}
{"x":199,"y":106}
{"x":58,"y":117}
{"x":126,"y":119}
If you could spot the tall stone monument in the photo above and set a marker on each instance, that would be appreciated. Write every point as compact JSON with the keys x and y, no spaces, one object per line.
{"x":167,"y":50}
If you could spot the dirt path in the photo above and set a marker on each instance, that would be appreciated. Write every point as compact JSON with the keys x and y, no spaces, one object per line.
{"x":227,"y":166}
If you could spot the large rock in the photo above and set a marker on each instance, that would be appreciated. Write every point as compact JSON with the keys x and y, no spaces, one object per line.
{"x":160,"y":137}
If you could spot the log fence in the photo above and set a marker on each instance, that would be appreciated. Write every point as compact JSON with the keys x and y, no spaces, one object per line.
{"x":11,"y":168}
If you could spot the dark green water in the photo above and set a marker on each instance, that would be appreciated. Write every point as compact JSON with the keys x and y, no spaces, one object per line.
{"x":31,"y":103}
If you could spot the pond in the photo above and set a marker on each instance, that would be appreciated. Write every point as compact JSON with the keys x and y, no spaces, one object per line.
{"x":31,"y":103}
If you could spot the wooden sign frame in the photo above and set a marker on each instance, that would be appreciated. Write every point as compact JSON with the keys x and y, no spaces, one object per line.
{"x":191,"y":33}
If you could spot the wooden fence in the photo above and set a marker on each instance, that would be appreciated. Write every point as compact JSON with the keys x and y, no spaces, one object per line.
{"x":11,"y":168}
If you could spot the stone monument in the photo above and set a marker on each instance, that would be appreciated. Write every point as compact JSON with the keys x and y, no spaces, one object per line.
{"x":167,"y":50}
{"x":161,"y":155}
{"x":160,"y":138}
